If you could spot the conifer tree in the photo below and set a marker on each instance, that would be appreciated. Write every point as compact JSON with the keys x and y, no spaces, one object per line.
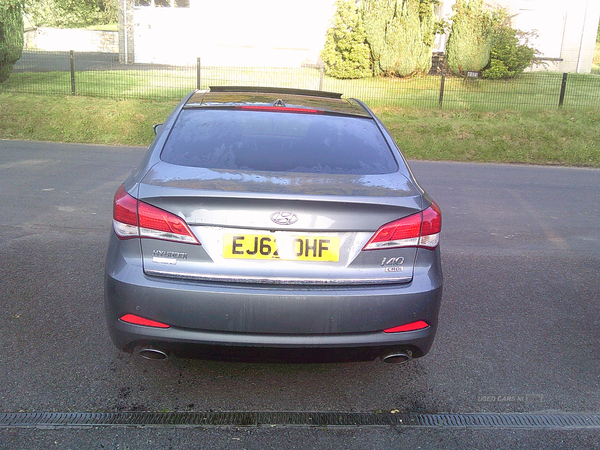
{"x":471,"y":38}
{"x":401,"y":35}
{"x":346,"y":53}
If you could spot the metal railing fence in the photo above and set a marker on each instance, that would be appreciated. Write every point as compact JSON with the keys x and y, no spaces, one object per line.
{"x":101,"y":75}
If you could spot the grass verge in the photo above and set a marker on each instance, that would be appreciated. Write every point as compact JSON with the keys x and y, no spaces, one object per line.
{"x":80,"y":119}
{"x":550,"y":137}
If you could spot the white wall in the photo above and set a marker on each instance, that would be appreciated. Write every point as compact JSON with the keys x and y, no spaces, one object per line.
{"x":566,"y":29}
{"x":61,"y":39}
{"x":233,"y":33}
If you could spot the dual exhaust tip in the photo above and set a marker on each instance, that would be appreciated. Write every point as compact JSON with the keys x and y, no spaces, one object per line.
{"x":155,"y":354}
{"x":398,"y":357}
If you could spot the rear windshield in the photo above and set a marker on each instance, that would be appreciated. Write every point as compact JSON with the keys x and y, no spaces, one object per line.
{"x":282,"y":142}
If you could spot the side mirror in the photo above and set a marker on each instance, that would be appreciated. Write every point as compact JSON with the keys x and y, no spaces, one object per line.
{"x":157,"y":127}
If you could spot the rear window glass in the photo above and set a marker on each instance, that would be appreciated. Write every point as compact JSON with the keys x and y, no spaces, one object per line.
{"x":282,"y":142}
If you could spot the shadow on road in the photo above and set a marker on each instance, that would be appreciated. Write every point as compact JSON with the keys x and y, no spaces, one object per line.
{"x":60,"y":61}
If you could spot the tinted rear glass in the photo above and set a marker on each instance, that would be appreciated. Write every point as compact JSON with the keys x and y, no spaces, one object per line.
{"x":283,"y":142}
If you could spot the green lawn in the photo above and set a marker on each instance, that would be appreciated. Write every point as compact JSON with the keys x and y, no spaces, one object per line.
{"x":80,"y":119}
{"x":567,"y":136}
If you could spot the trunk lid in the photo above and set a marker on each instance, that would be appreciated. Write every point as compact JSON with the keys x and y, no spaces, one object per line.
{"x":276,"y":227}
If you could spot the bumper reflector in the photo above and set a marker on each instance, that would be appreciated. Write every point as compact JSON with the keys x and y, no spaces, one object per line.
{"x":413,"y":326}
{"x":137,"y":320}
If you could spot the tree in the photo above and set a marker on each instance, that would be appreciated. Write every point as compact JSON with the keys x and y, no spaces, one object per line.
{"x":346,"y":53}
{"x":376,"y":15}
{"x":401,"y":35}
{"x":72,"y":13}
{"x":11,"y":36}
{"x":471,"y":37}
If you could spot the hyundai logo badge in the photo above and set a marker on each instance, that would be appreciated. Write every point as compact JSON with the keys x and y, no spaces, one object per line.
{"x":284,"y":218}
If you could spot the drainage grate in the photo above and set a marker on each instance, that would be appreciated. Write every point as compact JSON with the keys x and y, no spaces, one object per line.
{"x":178,"y":419}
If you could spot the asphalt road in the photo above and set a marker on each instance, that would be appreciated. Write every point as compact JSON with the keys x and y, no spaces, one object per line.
{"x":60,"y":61}
{"x":42,"y":61}
{"x":519,"y":324}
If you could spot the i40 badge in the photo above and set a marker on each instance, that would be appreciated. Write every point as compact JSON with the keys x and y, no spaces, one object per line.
{"x":392,"y":261}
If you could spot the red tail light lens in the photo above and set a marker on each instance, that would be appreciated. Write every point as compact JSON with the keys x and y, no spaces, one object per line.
{"x":413,"y":326}
{"x":432,"y":225}
{"x":137,"y":320}
{"x":400,"y":233}
{"x":418,"y":230}
{"x":160,"y":224}
{"x":133,"y":218}
{"x":125,"y":218}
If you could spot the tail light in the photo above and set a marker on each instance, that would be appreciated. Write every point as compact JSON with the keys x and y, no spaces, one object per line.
{"x":137,"y":320}
{"x":418,"y":230}
{"x":133,"y":218}
{"x":413,"y":326}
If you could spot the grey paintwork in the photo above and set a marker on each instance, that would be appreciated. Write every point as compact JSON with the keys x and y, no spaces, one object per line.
{"x":287,"y":316}
{"x":213,"y":203}
{"x":208,"y":299}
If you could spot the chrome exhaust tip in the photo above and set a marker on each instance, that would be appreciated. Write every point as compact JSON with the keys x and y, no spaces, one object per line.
{"x":153,"y":354}
{"x":396,"y":358}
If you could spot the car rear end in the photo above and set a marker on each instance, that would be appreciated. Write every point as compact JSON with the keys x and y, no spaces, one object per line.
{"x":274,"y":220}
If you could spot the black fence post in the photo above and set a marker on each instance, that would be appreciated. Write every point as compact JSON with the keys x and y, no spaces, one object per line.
{"x":563,"y":89}
{"x":72,"y":59}
{"x":198,"y":74}
{"x":442,"y":88}
{"x":321,"y":77}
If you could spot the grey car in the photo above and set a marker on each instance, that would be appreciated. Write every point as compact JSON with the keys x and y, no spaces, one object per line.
{"x":274,"y":223}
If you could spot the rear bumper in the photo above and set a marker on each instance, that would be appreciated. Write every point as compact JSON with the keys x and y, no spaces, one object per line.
{"x":126,"y":337}
{"x":273,"y":317}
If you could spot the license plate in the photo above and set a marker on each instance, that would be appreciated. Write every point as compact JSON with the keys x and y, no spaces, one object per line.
{"x":289,"y":248}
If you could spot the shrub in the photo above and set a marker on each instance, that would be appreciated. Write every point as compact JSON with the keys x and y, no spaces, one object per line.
{"x":400,"y":34}
{"x":508,"y":57}
{"x":11,"y":36}
{"x":346,"y":53}
{"x":471,"y":37}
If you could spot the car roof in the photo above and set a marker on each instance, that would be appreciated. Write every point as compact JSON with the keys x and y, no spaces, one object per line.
{"x":233,"y":96}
